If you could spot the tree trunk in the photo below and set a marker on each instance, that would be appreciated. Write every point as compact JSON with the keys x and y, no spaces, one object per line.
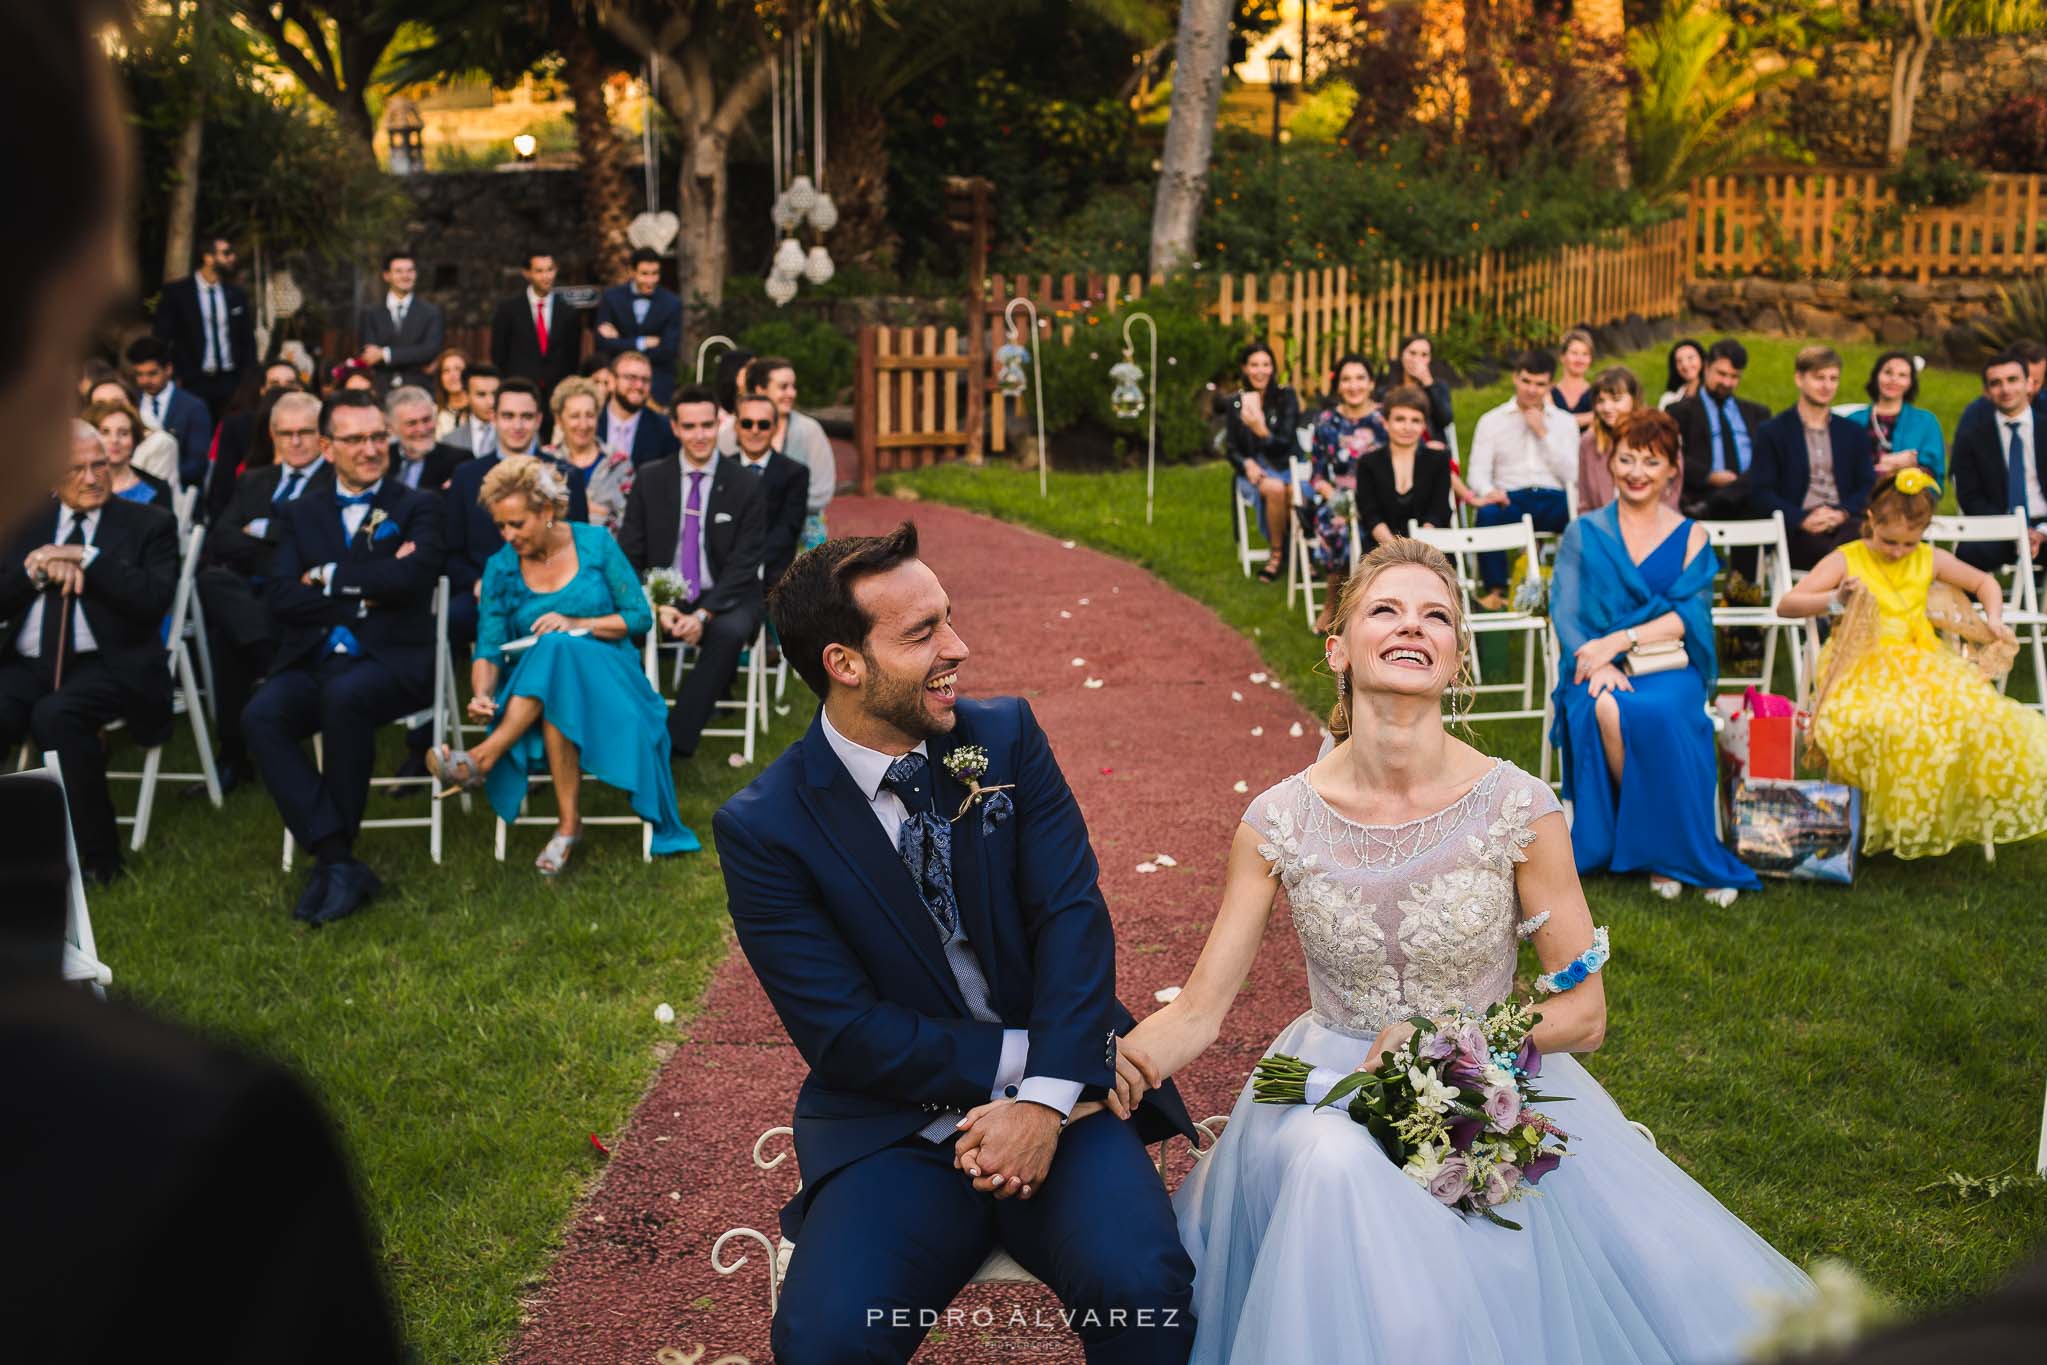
{"x":184,"y":208}
{"x":702,"y":209}
{"x":1907,"y":73}
{"x":859,"y":186}
{"x":1602,"y":71}
{"x":607,"y":198}
{"x":1201,"y":57}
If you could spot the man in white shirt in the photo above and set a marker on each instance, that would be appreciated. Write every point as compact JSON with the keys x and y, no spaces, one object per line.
{"x":477,"y":432}
{"x":1995,"y":462}
{"x":534,"y":334}
{"x":401,"y":335}
{"x":1524,"y":461}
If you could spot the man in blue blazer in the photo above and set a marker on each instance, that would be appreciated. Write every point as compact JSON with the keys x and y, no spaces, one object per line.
{"x":1995,"y":460}
{"x":939,"y":974}
{"x":168,"y":406}
{"x":351,"y":588}
{"x":1823,"y":504}
{"x":639,"y":317}
{"x":626,"y":422}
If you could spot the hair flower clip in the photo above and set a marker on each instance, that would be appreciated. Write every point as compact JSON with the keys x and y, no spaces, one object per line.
{"x":969,"y":764}
{"x":1912,"y":481}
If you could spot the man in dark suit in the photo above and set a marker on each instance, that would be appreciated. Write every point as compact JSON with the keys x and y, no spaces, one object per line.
{"x":352,"y":589}
{"x":785,"y":484}
{"x":85,"y":586}
{"x":1814,"y":467}
{"x":704,"y":517}
{"x":626,"y":422}
{"x":928,"y":970}
{"x":1995,"y":460}
{"x":401,"y":337}
{"x":534,"y":335}
{"x":639,"y":317}
{"x":477,"y":432}
{"x":168,"y":406}
{"x":240,"y":631}
{"x":1716,"y":432}
{"x":419,"y":458}
{"x":206,"y":320}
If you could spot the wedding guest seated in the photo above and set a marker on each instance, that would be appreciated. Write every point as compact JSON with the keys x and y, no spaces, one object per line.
{"x":156,"y":452}
{"x":352,"y":590}
{"x":1997,"y":460}
{"x":118,"y":425}
{"x":1717,"y":430}
{"x":475,"y":430}
{"x":1346,"y":432}
{"x":1408,"y":481}
{"x":1416,"y":368}
{"x":1812,"y":465}
{"x":1901,"y":433}
{"x":1616,"y":395}
{"x":419,"y":459}
{"x":798,"y":435}
{"x":240,"y":631}
{"x":2030,"y":354}
{"x":84,"y":587}
{"x":1632,"y":602}
{"x":1682,"y":373}
{"x":607,"y":474}
{"x":1524,"y":454}
{"x":1263,"y":417}
{"x":168,"y":406}
{"x":785,"y":484}
{"x":243,"y":441}
{"x":569,"y":698}
{"x":451,"y":399}
{"x":1572,"y":391}
{"x":625,"y":422}
{"x":704,"y":517}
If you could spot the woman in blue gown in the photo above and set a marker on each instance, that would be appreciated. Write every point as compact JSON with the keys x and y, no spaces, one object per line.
{"x":575,"y":701}
{"x":1637,"y":747}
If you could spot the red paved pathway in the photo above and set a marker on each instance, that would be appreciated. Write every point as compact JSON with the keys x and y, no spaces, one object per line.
{"x":1153,"y":755}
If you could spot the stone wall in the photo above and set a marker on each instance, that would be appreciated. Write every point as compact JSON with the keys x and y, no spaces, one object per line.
{"x":1843,"y":114}
{"x":1894,"y":312}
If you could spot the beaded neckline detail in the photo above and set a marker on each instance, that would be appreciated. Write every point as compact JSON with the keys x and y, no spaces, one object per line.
{"x":1379,"y":847}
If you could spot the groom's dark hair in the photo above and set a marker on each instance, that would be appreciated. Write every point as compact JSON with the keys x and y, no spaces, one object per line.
{"x":813,"y":606}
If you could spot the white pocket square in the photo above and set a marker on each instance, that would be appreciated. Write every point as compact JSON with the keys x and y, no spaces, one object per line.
{"x":722,"y":516}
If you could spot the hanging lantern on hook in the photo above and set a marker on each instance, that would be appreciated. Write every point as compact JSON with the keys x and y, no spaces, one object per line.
{"x":781,"y":288}
{"x":824,"y":214}
{"x":789,"y":258}
{"x":802,"y":196}
{"x":1010,"y":360}
{"x":784,"y":214}
{"x":817,"y":266}
{"x":1126,"y":399}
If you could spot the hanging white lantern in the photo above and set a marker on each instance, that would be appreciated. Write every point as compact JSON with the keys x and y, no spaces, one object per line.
{"x":781,"y":288}
{"x":784,"y":213}
{"x":1126,"y":400}
{"x":802,"y":195}
{"x":789,"y":258}
{"x":817,"y":267}
{"x":1009,"y":369}
{"x":285,"y":297}
{"x":824,"y":214}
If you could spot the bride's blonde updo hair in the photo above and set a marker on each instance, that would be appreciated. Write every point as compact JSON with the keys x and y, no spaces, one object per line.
{"x":538,"y":480}
{"x":1395,"y":554}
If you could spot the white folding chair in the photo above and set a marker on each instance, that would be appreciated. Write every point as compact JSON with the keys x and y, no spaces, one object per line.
{"x":2022,"y":597}
{"x":1249,"y":557}
{"x":1773,"y":574}
{"x":81,"y":960}
{"x":1459,"y":513}
{"x":753,"y":675}
{"x":1462,"y":547}
{"x":542,"y":779}
{"x":184,"y":699}
{"x":442,"y":715}
{"x":1300,"y":571}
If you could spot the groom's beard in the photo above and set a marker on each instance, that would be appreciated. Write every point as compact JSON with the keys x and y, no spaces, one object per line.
{"x":900,"y":703}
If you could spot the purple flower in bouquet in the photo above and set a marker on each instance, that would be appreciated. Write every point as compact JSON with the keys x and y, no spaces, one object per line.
{"x":1529,"y":1059}
{"x":1464,"y":1132}
{"x":1452,"y":1182}
{"x":1540,"y":1166}
{"x":1434,"y":1047}
{"x":1499,"y":1186}
{"x":1503,"y":1107}
{"x":1471,"y":1044}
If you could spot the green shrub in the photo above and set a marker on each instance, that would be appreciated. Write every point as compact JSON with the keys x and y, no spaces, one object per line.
{"x":823,"y":355}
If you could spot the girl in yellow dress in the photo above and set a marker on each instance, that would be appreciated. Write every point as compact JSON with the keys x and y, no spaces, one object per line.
{"x":1942,"y":759}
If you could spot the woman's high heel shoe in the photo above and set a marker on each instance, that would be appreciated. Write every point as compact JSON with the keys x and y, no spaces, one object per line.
{"x":555,"y":856}
{"x":455,"y":770}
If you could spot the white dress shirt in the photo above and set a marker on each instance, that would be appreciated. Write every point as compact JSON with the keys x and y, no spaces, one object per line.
{"x":213,"y":322}
{"x":30,"y":641}
{"x":155,"y":405}
{"x":867,"y":767}
{"x":642,"y":305}
{"x":395,"y":304}
{"x":710,"y":473}
{"x":544,"y":306}
{"x":1505,"y":454}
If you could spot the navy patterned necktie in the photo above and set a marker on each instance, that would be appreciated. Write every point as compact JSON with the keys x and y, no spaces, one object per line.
{"x":925,"y":842}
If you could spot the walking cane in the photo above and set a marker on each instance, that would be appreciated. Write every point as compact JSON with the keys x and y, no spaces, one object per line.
{"x":63,"y":634}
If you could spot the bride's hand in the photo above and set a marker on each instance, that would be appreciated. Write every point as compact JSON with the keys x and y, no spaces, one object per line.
{"x":1389,"y":1040}
{"x":1135,"y":1074}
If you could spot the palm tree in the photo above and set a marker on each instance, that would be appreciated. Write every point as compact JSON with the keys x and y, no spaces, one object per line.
{"x":1694,"y":113}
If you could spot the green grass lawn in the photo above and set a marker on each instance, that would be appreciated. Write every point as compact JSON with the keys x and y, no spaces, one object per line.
{"x":468,"y":1031}
{"x":1816,"y":1056}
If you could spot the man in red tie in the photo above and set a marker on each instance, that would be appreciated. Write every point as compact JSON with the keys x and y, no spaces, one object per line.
{"x":535,"y":334}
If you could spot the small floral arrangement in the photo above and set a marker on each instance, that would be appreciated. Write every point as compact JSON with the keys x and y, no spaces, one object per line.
{"x":1531,"y":594}
{"x":969,"y":764}
{"x":1450,"y":1106}
{"x":378,"y":525}
{"x":665,"y":587}
{"x":1342,"y":502}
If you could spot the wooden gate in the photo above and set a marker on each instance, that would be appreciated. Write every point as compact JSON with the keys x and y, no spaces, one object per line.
{"x":909,"y":398}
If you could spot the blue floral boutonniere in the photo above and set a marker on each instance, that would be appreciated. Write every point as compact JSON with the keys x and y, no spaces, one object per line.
{"x":969,"y":764}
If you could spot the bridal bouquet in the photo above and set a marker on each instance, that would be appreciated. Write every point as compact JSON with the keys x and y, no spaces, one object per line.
{"x":1450,"y":1106}
{"x":665,"y":588}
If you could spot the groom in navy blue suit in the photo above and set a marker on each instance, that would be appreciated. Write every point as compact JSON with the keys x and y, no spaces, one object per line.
{"x":951,"y":982}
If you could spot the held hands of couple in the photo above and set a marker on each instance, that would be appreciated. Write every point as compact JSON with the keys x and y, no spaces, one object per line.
{"x":1001,"y":1142}
{"x":681,"y":625}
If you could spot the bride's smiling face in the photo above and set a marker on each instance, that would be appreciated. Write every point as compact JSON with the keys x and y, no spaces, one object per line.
{"x":1401,"y":637}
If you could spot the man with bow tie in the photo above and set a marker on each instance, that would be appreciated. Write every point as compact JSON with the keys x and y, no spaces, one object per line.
{"x":85,"y":586}
{"x":639,"y":317}
{"x":705,"y":518}
{"x":351,"y":587}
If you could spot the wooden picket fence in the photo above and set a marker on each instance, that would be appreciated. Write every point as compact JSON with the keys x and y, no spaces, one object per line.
{"x":1837,"y":221}
{"x":909,"y":398}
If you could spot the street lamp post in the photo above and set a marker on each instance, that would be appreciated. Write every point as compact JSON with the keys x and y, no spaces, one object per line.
{"x":1279,"y":72}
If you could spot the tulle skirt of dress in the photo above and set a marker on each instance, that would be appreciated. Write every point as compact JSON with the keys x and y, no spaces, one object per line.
{"x":1309,"y":1245}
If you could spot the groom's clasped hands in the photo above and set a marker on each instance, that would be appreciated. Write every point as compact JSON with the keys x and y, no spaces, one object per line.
{"x":1006,"y":1146}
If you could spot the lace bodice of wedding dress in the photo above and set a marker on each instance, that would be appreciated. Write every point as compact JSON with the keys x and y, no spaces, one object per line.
{"x":1396,"y":920}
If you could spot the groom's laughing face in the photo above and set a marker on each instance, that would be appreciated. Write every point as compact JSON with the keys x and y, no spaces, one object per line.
{"x":912,"y":656}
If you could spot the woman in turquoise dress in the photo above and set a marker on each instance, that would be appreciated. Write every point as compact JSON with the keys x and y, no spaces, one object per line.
{"x":1637,"y":745}
{"x":574,"y":700}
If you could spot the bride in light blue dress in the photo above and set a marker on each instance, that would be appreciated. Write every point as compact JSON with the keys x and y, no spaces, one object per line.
{"x":1414,"y":866}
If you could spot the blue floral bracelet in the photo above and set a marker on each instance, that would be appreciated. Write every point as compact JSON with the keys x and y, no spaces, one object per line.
{"x":1578,"y":968}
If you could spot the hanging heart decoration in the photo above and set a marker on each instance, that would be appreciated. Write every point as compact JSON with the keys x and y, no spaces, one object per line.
{"x":654,"y":231}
